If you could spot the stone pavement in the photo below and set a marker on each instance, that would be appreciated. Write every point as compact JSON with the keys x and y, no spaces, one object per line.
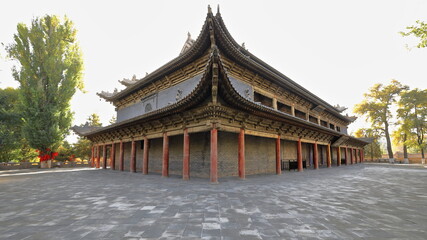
{"x":349,"y":202}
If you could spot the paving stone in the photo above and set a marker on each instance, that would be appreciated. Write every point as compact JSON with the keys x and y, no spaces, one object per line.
{"x":350,"y":202}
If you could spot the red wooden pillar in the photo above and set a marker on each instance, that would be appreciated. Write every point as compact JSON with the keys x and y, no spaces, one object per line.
{"x":113,"y":157}
{"x":278,"y":159}
{"x":241,"y":154}
{"x":315,"y":156}
{"x":351,"y":156}
{"x":299,"y":155}
{"x":132,"y":166}
{"x":338,"y":156}
{"x":121,"y":157}
{"x":165,"y":165}
{"x":356,"y":156}
{"x":186,"y":156}
{"x":92,"y":159}
{"x":345,"y":156}
{"x":98,"y":156}
{"x":214,"y":155}
{"x":145,"y":157}
{"x":104,"y":157}
{"x":328,"y":156}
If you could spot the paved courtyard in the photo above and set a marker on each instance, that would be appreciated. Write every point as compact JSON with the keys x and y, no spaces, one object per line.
{"x":349,"y":202}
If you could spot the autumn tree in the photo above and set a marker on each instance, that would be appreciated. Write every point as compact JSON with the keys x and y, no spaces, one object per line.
{"x":413,"y":112}
{"x":420,"y":31}
{"x":376,"y":108}
{"x":49,"y":72}
{"x":373,"y":149}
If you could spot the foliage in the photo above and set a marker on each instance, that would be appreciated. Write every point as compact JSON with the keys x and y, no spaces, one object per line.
{"x":113,"y":120}
{"x":376,"y":108}
{"x":419,"y":31}
{"x":49,"y":72}
{"x":64,"y":151}
{"x":83,"y":148}
{"x":413,"y":112}
{"x":373,"y":149}
{"x":10,"y":125}
{"x":93,"y":120}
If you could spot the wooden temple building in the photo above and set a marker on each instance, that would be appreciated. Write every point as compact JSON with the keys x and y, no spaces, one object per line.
{"x":217,"y":110}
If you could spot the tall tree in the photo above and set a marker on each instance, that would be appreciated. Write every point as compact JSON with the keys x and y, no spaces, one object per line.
{"x":49,"y":73}
{"x":373,"y":149}
{"x":376,"y":108}
{"x":413,"y":111}
{"x":420,"y":31}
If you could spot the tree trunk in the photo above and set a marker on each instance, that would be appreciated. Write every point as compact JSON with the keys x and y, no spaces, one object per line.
{"x":387,"y":137}
{"x":423,"y":161}
{"x":405,"y":150}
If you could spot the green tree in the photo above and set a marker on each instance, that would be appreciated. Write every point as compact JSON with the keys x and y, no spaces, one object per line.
{"x":419,"y":31}
{"x":64,"y":151}
{"x":373,"y":149}
{"x":10,"y":125}
{"x":83,"y":148}
{"x":413,"y":112}
{"x":93,"y":120}
{"x":49,"y":73}
{"x":376,"y":108}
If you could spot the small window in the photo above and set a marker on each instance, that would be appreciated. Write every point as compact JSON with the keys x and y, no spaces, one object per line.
{"x":284,"y":108}
{"x":338,"y":129}
{"x":266,"y":101}
{"x":323,"y":123}
{"x":332,"y":126}
{"x":300,"y":114}
{"x":313,"y":119}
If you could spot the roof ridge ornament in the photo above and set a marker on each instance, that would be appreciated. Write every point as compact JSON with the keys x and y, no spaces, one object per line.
{"x":209,"y":9}
{"x":217,"y":10}
{"x":188,"y":44}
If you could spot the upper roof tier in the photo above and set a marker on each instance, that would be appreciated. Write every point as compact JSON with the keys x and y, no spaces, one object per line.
{"x":222,"y":39}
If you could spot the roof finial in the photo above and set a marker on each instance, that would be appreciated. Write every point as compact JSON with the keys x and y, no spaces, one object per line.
{"x":217,"y":10}
{"x":209,"y":9}
{"x":189,"y":35}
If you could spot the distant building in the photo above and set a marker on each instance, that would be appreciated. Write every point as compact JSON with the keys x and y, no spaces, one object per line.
{"x":216,"y":110}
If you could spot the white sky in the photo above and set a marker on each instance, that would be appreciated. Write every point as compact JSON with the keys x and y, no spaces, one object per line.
{"x":334,"y":48}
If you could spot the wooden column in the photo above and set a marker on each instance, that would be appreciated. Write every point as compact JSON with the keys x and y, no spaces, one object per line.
{"x":338,"y":156}
{"x":214,"y":155}
{"x":113,"y":157}
{"x":186,"y":156}
{"x":121,"y":157}
{"x":315,"y":156}
{"x":328,"y":156}
{"x":278,"y":159}
{"x":356,"y":156}
{"x":241,"y":154}
{"x":92,"y":159}
{"x":132,"y":166}
{"x":145,"y":157}
{"x":104,"y":157}
{"x":299,"y":155}
{"x":98,"y":156}
{"x":351,"y":156}
{"x":165,"y":165}
{"x":345,"y":156}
